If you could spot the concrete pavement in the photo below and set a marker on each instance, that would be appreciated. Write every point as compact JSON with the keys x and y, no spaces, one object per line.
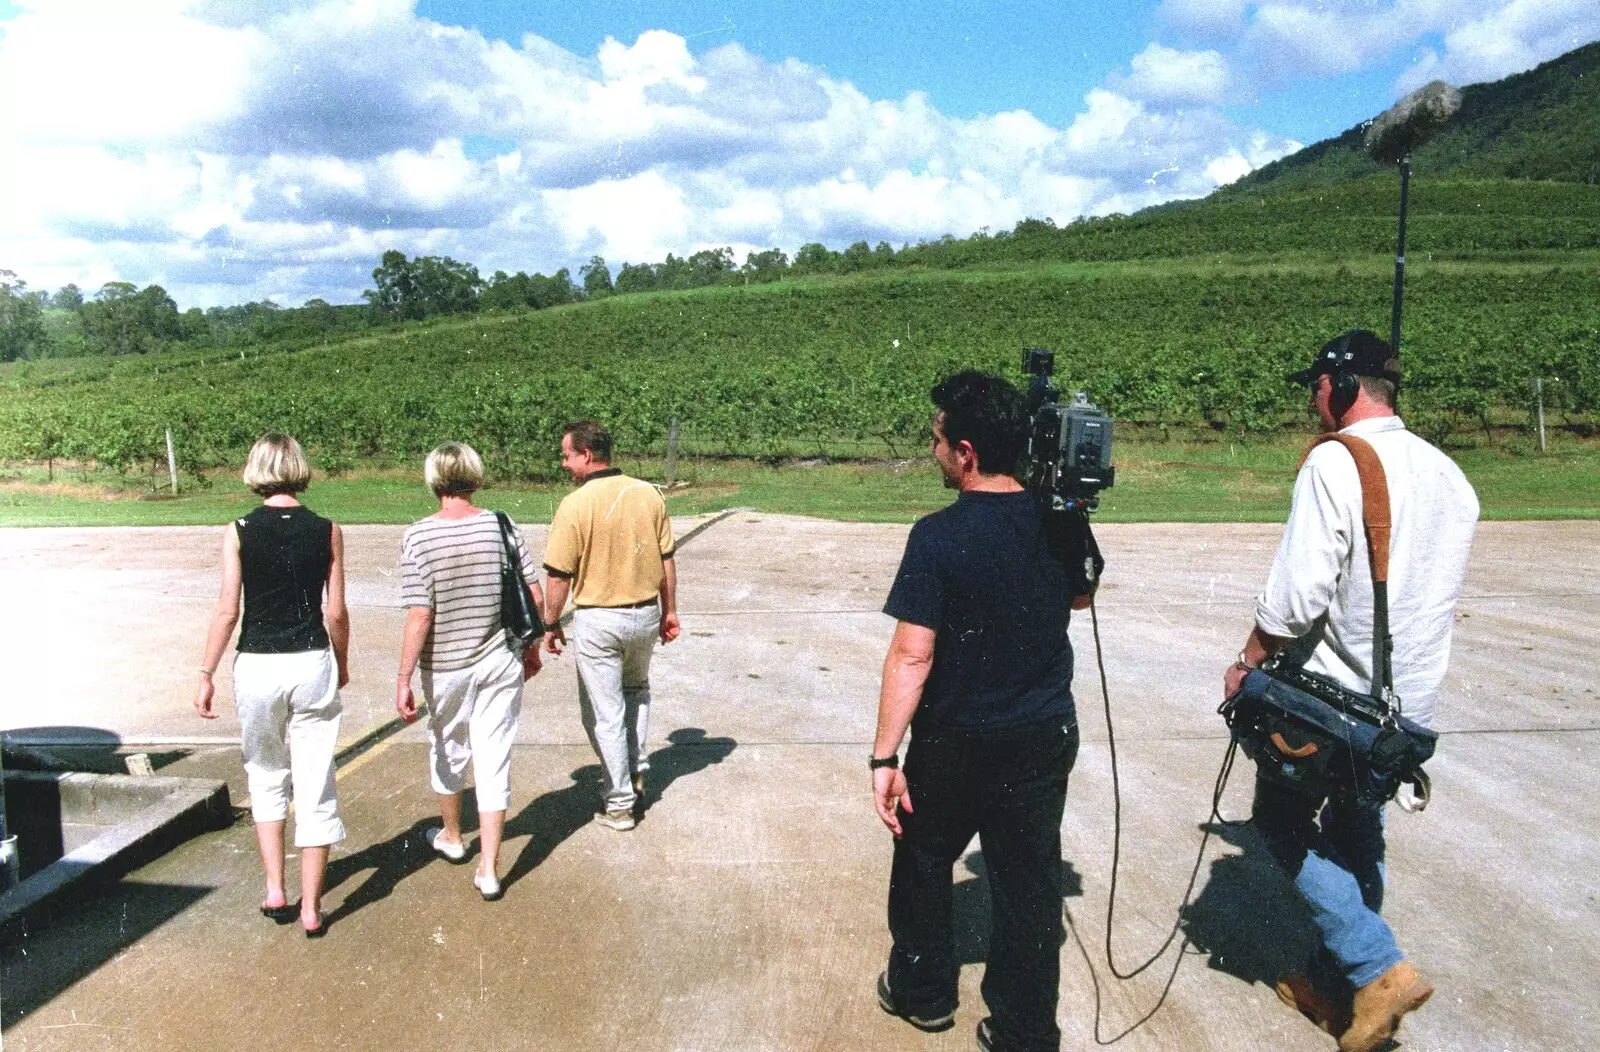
{"x":746,"y":911}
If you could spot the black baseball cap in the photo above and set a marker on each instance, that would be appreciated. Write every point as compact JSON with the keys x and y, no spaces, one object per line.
{"x":1359,"y":352}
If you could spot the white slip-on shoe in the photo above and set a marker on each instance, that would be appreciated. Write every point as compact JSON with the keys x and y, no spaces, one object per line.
{"x":488,"y":886}
{"x":434,"y":835}
{"x":621,"y":821}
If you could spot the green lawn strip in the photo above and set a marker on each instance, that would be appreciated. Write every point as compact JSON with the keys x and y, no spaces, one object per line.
{"x":1157,"y":481}
{"x":381,"y":497}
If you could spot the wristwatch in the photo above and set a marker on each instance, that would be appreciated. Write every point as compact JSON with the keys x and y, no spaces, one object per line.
{"x":875,"y":762}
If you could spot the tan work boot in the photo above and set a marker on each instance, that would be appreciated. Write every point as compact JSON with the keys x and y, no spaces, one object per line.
{"x":1380,"y":1005}
{"x":1330,"y":1016}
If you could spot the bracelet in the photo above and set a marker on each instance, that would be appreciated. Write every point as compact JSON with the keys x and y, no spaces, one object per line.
{"x":403,"y":675}
{"x":205,"y":672}
{"x":1243,"y":665}
{"x":875,"y":762}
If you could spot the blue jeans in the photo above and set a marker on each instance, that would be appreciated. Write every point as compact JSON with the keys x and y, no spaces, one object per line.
{"x":1333,"y":852}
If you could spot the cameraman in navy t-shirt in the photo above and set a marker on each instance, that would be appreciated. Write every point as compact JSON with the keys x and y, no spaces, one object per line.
{"x":980,"y":669}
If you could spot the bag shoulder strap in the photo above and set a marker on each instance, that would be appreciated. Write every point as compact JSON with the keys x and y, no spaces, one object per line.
{"x":1374,"y":498}
{"x":1375,"y":521}
{"x":508,"y":544}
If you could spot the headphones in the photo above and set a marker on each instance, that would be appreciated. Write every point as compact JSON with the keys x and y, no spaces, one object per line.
{"x":1346,"y":385}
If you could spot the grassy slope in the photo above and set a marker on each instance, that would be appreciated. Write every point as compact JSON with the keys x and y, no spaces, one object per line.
{"x":1449,"y":217}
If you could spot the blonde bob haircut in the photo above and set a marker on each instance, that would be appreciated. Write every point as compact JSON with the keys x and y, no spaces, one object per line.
{"x":277,"y":465}
{"x":453,"y":469}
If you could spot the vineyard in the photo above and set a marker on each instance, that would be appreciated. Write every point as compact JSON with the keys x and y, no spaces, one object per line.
{"x":1467,"y":219}
{"x":842,"y":364}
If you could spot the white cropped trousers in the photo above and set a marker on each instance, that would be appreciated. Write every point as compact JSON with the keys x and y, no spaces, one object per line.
{"x":289,"y":712}
{"x":472,"y":716}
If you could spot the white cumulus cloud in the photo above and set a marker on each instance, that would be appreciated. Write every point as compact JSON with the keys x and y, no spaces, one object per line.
{"x":1167,"y":75}
{"x":1508,"y":39}
{"x":236,"y":149}
{"x":1285,"y":40}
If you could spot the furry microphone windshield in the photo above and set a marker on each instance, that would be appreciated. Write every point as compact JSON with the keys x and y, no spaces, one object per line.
{"x":1413,"y":120}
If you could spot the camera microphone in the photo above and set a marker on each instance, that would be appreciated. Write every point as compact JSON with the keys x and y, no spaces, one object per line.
{"x":1413,"y":120}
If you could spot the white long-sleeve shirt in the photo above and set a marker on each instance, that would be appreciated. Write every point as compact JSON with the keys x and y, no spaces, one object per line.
{"x":1319,"y":591}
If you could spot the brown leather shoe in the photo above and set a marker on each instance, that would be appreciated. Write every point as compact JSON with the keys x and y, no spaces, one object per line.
{"x":1330,"y":1016}
{"x":1380,"y":1005}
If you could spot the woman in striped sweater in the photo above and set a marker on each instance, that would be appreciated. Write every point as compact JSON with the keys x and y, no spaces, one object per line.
{"x":471,"y":676}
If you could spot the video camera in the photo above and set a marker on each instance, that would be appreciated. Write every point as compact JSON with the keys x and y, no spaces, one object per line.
{"x":1068,"y":461}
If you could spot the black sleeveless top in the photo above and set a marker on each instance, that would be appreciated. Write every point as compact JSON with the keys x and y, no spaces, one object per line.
{"x":284,"y":554}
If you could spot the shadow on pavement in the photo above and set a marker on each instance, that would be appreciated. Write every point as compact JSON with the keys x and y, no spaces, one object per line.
{"x":689,"y":752}
{"x":971,"y":907}
{"x":1248,"y":918}
{"x":73,"y":748}
{"x":549,"y":820}
{"x":391,"y":861}
{"x":39,"y":963}
{"x":553,"y":817}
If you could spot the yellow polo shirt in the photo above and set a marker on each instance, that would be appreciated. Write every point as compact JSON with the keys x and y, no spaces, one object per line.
{"x":610,"y":536}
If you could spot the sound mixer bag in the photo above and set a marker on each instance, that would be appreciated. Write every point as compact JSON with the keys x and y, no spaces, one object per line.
{"x":1309,"y":733}
{"x":1316,"y":736}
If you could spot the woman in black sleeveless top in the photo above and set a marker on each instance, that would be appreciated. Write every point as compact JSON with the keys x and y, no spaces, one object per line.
{"x":291,"y":663}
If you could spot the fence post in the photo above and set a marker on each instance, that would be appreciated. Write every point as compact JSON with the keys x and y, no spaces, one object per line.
{"x":1538,"y":392}
{"x":172,"y":464}
{"x":672,"y":452}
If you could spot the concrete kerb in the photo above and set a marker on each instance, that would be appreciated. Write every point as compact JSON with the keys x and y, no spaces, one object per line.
{"x":164,"y":813}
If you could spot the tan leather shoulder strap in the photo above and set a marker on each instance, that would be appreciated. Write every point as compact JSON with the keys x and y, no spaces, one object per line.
{"x":1374,"y":498}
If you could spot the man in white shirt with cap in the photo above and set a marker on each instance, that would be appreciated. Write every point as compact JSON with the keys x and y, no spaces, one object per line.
{"x":1317,"y":608}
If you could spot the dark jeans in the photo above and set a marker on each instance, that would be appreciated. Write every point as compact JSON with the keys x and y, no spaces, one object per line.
{"x":1010,"y":788}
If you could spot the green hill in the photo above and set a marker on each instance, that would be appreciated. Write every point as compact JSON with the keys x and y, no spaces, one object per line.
{"x":1540,"y":125}
{"x":1458,"y":219}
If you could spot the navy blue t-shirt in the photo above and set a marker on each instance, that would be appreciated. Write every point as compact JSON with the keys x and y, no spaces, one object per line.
{"x":980,"y":574}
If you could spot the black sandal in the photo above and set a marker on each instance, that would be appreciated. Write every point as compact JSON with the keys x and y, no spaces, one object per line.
{"x":320,"y":930}
{"x":280,"y":914}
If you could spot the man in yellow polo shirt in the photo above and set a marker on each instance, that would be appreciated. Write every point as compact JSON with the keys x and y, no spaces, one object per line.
{"x":611,"y":548}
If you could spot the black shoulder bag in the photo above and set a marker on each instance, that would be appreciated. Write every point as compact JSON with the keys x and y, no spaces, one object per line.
{"x":1314,"y":735}
{"x":518,"y":616}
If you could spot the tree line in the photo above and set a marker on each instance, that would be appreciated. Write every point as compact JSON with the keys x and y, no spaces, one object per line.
{"x":121,"y":318}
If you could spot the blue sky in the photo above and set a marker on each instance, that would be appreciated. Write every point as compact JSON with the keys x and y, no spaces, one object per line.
{"x":971,"y":58}
{"x":233,"y":150}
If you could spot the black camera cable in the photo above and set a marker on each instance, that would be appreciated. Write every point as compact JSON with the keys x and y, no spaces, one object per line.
{"x":1218,"y":788}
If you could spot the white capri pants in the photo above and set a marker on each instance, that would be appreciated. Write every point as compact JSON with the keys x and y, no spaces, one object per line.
{"x":289,"y":727}
{"x":472,"y":715}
